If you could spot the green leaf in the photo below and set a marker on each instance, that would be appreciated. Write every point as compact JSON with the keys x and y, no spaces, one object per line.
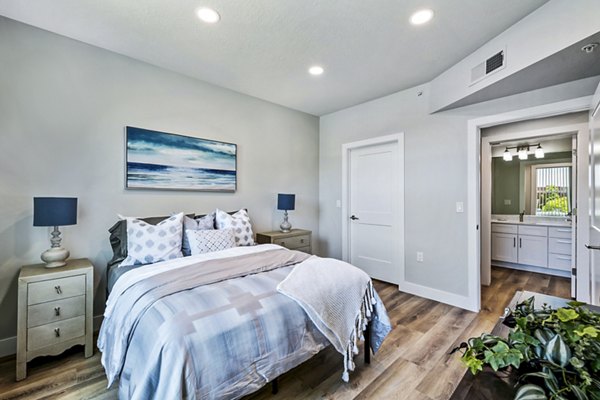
{"x":588,"y":330}
{"x":576,"y":362}
{"x":579,"y":394}
{"x":543,"y":335}
{"x":557,"y":351}
{"x":530,"y":392}
{"x":576,"y":304}
{"x":475,"y":365}
{"x":566,"y":314}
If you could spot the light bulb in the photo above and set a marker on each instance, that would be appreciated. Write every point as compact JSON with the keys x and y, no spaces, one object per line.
{"x":539,"y":152}
{"x":523,"y":153}
{"x":507,"y":156}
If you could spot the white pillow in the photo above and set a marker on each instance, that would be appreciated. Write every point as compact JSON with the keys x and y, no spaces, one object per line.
{"x":148,"y":244}
{"x":195,"y":224}
{"x":206,"y":241}
{"x":239,"y":222}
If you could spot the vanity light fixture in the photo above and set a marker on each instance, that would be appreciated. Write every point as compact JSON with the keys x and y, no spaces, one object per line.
{"x":523,"y":151}
{"x":539,"y":152}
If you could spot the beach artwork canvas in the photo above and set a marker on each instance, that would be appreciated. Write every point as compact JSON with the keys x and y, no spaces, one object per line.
{"x":159,"y":160}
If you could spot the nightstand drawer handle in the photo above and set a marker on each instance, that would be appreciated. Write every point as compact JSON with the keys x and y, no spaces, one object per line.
{"x":301,"y":240}
{"x":57,"y":332}
{"x":283,"y":244}
{"x":57,"y":311}
{"x":58,"y":289}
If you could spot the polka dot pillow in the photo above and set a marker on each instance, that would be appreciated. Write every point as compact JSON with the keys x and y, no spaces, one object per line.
{"x":240,"y":223}
{"x":147,"y":243}
{"x":206,"y":241}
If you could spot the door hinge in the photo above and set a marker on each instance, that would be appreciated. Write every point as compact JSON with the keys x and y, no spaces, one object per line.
{"x":573,"y":271}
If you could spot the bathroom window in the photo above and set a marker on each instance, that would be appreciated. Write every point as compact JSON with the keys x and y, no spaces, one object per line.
{"x":552,"y":189}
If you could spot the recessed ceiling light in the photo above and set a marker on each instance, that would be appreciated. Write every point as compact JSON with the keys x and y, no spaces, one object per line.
{"x":421,"y":16}
{"x":208,"y":15}
{"x":316,"y":70}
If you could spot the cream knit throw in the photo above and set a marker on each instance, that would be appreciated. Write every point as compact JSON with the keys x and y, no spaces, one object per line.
{"x":337,"y":297}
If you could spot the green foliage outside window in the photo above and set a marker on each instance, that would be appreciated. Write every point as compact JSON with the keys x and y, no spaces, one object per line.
{"x":553,"y":201}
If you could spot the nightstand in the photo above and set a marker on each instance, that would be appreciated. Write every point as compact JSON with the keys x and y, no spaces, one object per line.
{"x":296,"y":239}
{"x":55,"y":310}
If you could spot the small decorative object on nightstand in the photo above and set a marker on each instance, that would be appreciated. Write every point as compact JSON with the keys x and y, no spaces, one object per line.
{"x":296,"y":239}
{"x":54,"y":211}
{"x":286,"y":202}
{"x":55,"y":311}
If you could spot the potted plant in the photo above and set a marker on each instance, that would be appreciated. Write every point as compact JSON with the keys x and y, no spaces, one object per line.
{"x":552,"y":353}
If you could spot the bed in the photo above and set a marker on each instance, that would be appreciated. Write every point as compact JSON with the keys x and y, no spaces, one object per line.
{"x":211,"y":326}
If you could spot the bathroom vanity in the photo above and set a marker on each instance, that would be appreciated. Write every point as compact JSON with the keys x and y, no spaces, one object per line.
{"x":537,"y":247}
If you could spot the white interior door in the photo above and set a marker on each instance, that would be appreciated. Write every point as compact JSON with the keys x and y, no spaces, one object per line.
{"x":595,"y":199}
{"x":373,"y":210}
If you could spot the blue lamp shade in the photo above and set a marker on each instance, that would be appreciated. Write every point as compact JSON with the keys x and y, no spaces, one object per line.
{"x":54,"y":211}
{"x":286,"y":201}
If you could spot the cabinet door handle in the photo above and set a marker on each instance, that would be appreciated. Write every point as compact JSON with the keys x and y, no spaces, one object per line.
{"x":589,"y":246}
{"x":57,"y":311}
{"x":58,"y":289}
{"x":563,"y":258}
{"x":520,"y":242}
{"x":514,"y":242}
{"x":564,"y":241}
{"x":563,"y":230}
{"x":57,"y":332}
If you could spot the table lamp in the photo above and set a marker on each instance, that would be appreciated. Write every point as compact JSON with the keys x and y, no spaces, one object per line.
{"x":285,"y":202}
{"x":55,"y":211}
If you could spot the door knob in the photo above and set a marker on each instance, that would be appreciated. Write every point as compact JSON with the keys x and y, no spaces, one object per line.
{"x":587,"y":246}
{"x":354,"y":218}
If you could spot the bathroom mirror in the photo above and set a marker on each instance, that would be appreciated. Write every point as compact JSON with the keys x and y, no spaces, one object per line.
{"x":535,"y":186}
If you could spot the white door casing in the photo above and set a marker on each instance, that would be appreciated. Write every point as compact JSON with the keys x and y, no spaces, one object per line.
{"x":373,"y":192}
{"x":475,"y":163}
{"x":594,"y":191}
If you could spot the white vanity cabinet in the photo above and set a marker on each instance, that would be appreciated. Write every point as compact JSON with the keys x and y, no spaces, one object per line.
{"x":560,"y":248}
{"x":504,"y":243}
{"x":521,"y":246}
{"x":533,"y":245}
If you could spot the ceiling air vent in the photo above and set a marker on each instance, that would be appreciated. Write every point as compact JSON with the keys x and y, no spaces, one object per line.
{"x":489,"y":66}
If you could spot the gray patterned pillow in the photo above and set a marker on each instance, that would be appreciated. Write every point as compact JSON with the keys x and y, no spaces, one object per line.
{"x":195,"y":224}
{"x":207,"y":241}
{"x":239,"y":222}
{"x":147,"y":243}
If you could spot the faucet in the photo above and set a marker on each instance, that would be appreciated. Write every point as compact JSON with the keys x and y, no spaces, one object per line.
{"x":521,"y":215}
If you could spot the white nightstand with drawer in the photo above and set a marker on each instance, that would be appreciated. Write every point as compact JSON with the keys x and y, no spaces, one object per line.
{"x":296,"y":239}
{"x":55,"y":310}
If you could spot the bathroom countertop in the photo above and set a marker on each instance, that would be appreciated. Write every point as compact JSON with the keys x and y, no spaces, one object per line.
{"x":566,"y":224}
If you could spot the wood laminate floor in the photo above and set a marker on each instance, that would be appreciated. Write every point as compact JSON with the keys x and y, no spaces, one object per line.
{"x":413,"y":362}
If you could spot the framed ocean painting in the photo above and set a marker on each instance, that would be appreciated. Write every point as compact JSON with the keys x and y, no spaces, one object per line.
{"x":159,"y":160}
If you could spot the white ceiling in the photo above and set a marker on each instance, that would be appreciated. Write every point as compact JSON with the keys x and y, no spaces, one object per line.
{"x":264,"y":47}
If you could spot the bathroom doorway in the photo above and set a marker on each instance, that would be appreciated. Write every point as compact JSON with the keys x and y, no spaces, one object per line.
{"x":529,"y":203}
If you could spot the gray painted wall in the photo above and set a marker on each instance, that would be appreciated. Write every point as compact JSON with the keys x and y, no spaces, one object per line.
{"x":435,"y":178}
{"x":63,"y":109}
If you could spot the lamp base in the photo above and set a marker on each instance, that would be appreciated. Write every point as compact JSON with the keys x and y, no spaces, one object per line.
{"x":285,"y":225}
{"x":55,"y":257}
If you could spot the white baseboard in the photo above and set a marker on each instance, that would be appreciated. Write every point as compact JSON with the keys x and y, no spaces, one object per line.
{"x":531,"y":268}
{"x":452,"y":299}
{"x":8,"y":346}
